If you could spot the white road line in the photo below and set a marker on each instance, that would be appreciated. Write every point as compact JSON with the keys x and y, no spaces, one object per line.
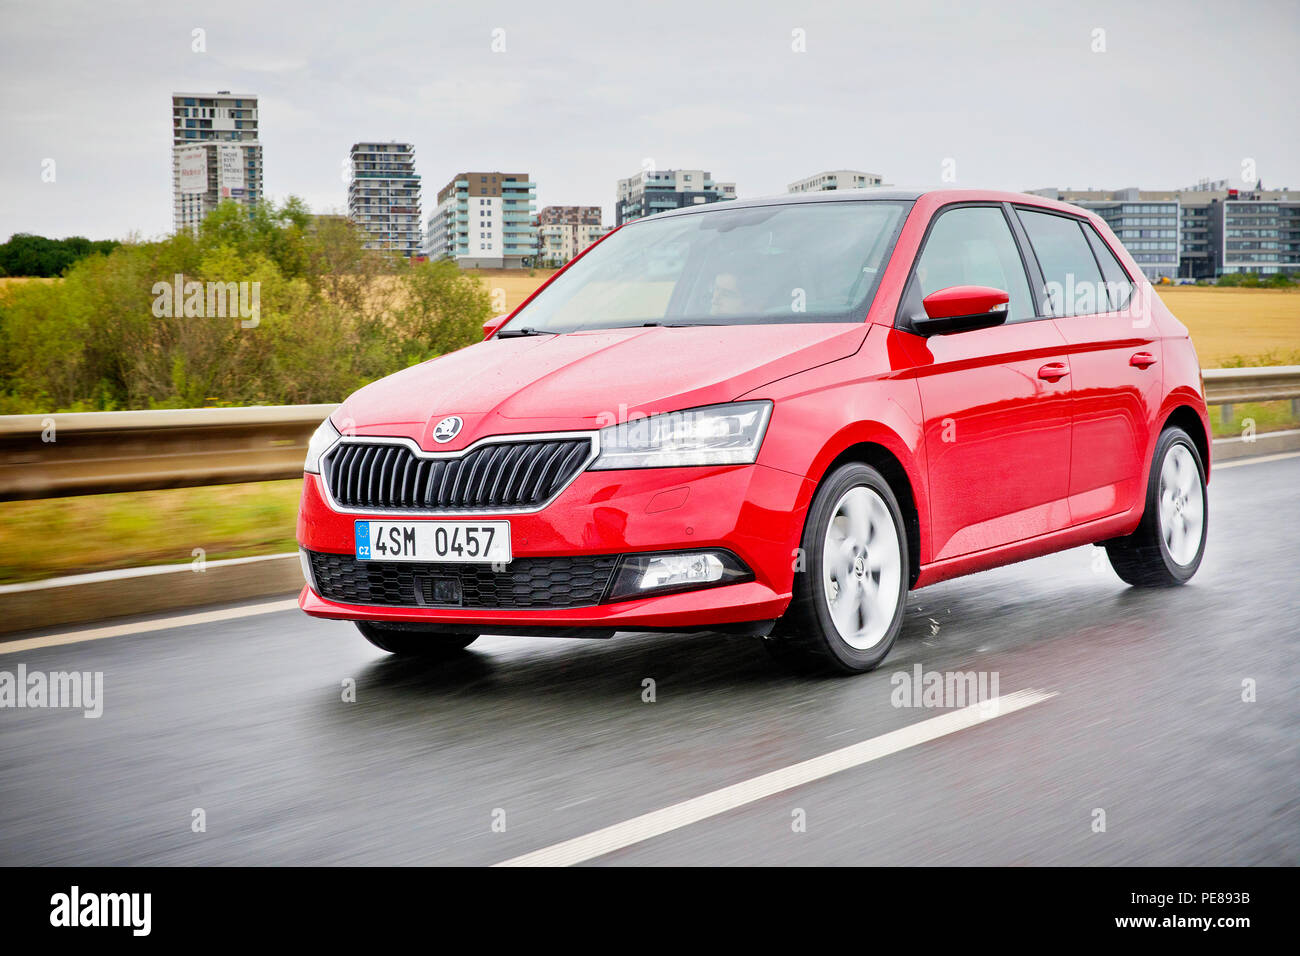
{"x":683,"y":814}
{"x":144,"y":627}
{"x":1238,"y":462}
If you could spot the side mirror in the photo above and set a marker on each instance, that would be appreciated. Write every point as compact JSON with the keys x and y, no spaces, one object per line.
{"x":491,"y":325}
{"x":961,"y":308}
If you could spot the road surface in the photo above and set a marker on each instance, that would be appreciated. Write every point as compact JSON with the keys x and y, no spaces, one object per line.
{"x":527,"y":747}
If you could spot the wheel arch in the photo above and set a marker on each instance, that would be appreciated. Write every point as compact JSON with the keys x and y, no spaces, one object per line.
{"x":1190,"y":420}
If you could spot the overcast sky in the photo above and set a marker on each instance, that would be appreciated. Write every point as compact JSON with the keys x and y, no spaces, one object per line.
{"x":1012,"y":93}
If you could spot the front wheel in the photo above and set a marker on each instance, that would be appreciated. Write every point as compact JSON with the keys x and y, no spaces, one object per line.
{"x":849,"y":594}
{"x":412,"y":642}
{"x":1167,"y":547}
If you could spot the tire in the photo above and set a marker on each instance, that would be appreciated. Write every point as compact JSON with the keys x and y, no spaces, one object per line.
{"x":1167,"y":547}
{"x":413,"y":642}
{"x":856,"y":560}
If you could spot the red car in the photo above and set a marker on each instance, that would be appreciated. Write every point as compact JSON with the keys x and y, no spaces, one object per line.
{"x":772,"y":417}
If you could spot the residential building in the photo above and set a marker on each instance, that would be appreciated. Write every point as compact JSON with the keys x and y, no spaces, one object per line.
{"x":836,"y":179}
{"x":564,"y":231}
{"x":652,"y":191}
{"x":1202,"y":231}
{"x":384,"y":196}
{"x":485,"y":221}
{"x":216,"y":154}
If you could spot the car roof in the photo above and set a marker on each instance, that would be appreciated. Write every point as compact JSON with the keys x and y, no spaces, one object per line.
{"x":870,"y":194}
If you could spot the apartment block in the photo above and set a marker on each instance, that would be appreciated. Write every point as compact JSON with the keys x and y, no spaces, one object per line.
{"x":652,"y":191}
{"x":1202,"y":231}
{"x":216,"y":154}
{"x":836,"y":179}
{"x":384,"y":196}
{"x":564,"y":231}
{"x":485,"y":221}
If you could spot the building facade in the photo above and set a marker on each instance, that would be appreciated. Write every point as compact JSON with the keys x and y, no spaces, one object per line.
{"x":485,"y":221}
{"x":652,"y":191}
{"x":836,"y":179}
{"x":1201,"y":232}
{"x":564,"y":231}
{"x":216,"y":154}
{"x":384,"y":196}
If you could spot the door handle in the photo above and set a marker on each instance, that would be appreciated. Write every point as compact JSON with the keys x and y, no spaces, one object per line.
{"x":1142,"y":360}
{"x":1053,"y":370}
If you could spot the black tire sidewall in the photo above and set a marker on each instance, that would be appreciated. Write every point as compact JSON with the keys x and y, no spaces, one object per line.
{"x":1170,"y":437}
{"x":845,"y":477}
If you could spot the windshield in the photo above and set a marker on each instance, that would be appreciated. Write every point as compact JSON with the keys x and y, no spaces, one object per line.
{"x":800,"y":262}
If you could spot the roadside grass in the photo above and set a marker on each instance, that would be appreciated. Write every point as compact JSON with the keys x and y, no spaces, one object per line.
{"x":57,"y":536}
{"x":1266,"y":416}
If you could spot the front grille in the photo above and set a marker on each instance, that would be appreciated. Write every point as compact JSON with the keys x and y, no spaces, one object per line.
{"x":509,"y":475}
{"x":524,"y":583}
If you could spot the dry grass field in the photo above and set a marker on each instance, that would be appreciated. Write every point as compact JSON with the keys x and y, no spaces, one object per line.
{"x":1239,"y":326}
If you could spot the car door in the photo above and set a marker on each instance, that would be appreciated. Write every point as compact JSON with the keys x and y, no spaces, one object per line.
{"x":995,"y":402}
{"x":1114,"y":354}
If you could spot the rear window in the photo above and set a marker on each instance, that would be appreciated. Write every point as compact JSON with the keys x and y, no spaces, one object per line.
{"x":1072,"y":281}
{"x":1119,"y":287}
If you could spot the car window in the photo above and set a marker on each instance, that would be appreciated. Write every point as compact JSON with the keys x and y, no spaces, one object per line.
{"x":1072,"y":280}
{"x":973,"y":245}
{"x":1119,"y":286}
{"x":779,"y":263}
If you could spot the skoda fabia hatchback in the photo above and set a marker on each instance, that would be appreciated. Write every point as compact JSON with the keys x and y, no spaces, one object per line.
{"x":772,"y":417}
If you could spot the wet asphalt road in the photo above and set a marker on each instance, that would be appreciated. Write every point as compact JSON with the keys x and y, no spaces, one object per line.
{"x":245,"y":719}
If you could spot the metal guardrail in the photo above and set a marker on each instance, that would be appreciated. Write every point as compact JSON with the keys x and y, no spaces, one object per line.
{"x":86,"y":453}
{"x":89,"y":453}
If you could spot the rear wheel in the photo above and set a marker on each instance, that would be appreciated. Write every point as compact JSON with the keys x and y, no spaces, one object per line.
{"x":413,"y":642}
{"x":1167,"y":547}
{"x":848,"y":598}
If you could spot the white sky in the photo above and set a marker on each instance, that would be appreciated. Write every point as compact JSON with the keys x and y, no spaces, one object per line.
{"x":1011,"y":91}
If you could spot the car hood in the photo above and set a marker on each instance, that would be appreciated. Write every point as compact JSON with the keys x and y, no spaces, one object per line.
{"x":588,"y":379}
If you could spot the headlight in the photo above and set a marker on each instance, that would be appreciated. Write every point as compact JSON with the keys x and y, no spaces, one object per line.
{"x":321,"y":440}
{"x":714,"y":435}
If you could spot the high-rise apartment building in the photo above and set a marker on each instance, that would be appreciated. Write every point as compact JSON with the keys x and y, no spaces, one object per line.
{"x":658,"y":190}
{"x":836,"y":179}
{"x":1201,"y":232}
{"x":485,"y":221}
{"x":216,"y":154}
{"x":564,"y":231}
{"x":384,"y":196}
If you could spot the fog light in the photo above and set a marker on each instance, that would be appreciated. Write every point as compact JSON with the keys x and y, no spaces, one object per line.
{"x":675,"y":571}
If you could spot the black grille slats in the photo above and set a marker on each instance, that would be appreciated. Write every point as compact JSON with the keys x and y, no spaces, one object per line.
{"x":524,"y":583}
{"x":496,"y":475}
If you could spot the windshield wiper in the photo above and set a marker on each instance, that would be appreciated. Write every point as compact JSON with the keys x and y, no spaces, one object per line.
{"x":674,"y":325}
{"x":518,"y":333}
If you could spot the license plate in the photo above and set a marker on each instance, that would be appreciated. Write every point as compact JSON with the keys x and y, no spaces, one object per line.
{"x":459,"y":542}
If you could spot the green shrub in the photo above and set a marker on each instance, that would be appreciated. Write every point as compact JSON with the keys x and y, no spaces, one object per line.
{"x":330,"y":317}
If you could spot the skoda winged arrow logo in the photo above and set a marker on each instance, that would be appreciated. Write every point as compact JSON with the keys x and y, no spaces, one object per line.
{"x":447,"y":429}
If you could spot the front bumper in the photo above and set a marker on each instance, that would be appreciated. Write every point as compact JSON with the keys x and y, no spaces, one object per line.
{"x":753,"y":511}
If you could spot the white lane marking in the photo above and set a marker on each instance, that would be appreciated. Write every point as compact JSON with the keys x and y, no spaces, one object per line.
{"x":144,"y":627}
{"x":683,"y":814}
{"x":1238,"y":462}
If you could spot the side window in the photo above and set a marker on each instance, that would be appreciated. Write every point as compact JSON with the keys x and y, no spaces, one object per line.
{"x":973,"y":245}
{"x":1118,"y":285}
{"x":1073,"y":281}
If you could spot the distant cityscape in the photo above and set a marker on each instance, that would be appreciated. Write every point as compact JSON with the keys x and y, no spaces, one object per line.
{"x":490,"y":220}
